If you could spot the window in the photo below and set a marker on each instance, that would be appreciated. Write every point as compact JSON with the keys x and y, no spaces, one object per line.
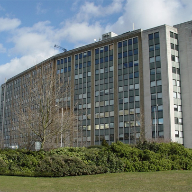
{"x":125,"y":54}
{"x":174,"y":82}
{"x":58,"y":62}
{"x":158,"y":58}
{"x":152,"y":59}
{"x":135,"y":51}
{"x":151,"y":48}
{"x":130,"y":42}
{"x":153,"y":83}
{"x":160,"y":121}
{"x":157,"y":46}
{"x":179,"y":108}
{"x":174,"y":95}
{"x":152,"y":71}
{"x":159,"y":82}
{"x":124,"y":43}
{"x":176,"y":120}
{"x":156,"y":35}
{"x":180,"y":121}
{"x":135,"y":40}
{"x":172,"y":57}
{"x":150,"y":36}
{"x":175,"y":108}
{"x":176,"y":133}
{"x":119,"y":44}
{"x":96,"y":52}
{"x":178,"y":83}
{"x":171,"y":34}
{"x":61,"y":70}
{"x":130,"y":53}
{"x":172,"y":46}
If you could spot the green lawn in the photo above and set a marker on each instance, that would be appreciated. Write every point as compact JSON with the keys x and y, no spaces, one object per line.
{"x":145,"y":181}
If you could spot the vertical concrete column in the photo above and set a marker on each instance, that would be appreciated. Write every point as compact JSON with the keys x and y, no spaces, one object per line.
{"x":142,"y":115}
{"x":115,"y":79}
{"x":93,"y":96}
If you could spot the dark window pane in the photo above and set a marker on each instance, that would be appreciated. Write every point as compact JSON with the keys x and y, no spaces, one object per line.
{"x":97,"y":51}
{"x":135,"y":51}
{"x":130,"y":53}
{"x":150,"y":36}
{"x":119,"y":44}
{"x":124,"y":43}
{"x":156,"y":35}
{"x":130,"y":42}
{"x":106,"y":48}
{"x":125,"y":54}
{"x":61,"y":61}
{"x":76,"y":57}
{"x":131,"y":64}
{"x":135,"y":40}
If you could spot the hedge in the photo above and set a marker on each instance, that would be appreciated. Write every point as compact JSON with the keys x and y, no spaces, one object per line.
{"x":118,"y":157}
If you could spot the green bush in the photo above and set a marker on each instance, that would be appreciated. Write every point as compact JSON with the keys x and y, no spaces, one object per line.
{"x":118,"y":157}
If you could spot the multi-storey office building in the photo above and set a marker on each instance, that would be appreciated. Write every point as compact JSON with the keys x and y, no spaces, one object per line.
{"x":123,"y":87}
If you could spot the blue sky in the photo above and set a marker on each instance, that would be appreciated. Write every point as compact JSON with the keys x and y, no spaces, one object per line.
{"x":29,"y":29}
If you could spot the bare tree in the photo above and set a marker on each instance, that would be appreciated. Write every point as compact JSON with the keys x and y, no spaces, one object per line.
{"x":42,"y":114}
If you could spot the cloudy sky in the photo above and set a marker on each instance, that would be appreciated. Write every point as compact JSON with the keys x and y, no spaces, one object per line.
{"x":29,"y":29}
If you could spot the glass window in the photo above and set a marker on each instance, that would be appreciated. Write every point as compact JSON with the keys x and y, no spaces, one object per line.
{"x":136,"y":74}
{"x":130,"y":42}
{"x":150,"y":36}
{"x":131,"y":76}
{"x":160,"y":108}
{"x":131,"y":64}
{"x":130,"y":53}
{"x":135,"y":51}
{"x":119,"y":55}
{"x":175,"y":108}
{"x":101,"y":49}
{"x":89,"y":53}
{"x":125,"y":65}
{"x":65,"y":70}
{"x":157,"y":46}
{"x":153,"y":96}
{"x":174,"y":95}
{"x":152,"y":59}
{"x":96,"y":61}
{"x":58,"y":62}
{"x":178,"y":83}
{"x":172,"y":46}
{"x":96,"y":52}
{"x":119,"y":44}
{"x":156,"y":35}
{"x":176,"y":59}
{"x":125,"y":54}
{"x":106,"y":48}
{"x":173,"y":70}
{"x":135,"y":40}
{"x":179,"y":95}
{"x":159,"y":82}
{"x":58,"y":71}
{"x":152,"y":71}
{"x":171,"y":34}
{"x":136,"y":86}
{"x":159,"y":95}
{"x":151,"y":48}
{"x":124,"y":43}
{"x":179,"y":108}
{"x":172,"y":57}
{"x":88,"y":63}
{"x":106,"y":59}
{"x":61,"y":70}
{"x":161,"y":121}
{"x":158,"y":58}
{"x":153,"y":83}
{"x":174,"y":82}
{"x":158,"y":70}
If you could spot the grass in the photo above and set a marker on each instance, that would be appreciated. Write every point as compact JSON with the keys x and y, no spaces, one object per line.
{"x":140,"y":181}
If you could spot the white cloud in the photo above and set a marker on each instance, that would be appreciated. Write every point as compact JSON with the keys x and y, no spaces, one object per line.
{"x":39,"y":9}
{"x":151,"y":13}
{"x":2,"y":49}
{"x":89,"y":10}
{"x":7,"y":24}
{"x":80,"y":32}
